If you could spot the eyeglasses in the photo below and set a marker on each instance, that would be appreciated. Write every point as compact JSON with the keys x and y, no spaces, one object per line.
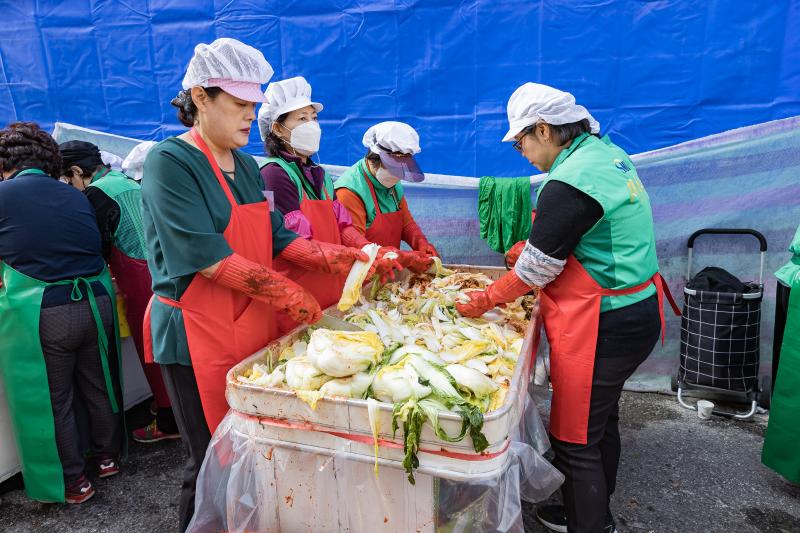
{"x":518,"y":144}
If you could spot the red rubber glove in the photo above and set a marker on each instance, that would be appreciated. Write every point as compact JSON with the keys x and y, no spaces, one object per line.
{"x":413,"y":235}
{"x":353,"y":238}
{"x":264,"y":284}
{"x":322,"y":256}
{"x":416,"y":262}
{"x":513,"y":253}
{"x":504,"y":290}
{"x":385,"y":267}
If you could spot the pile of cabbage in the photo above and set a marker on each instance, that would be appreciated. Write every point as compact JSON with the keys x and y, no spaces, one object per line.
{"x":415,"y":352}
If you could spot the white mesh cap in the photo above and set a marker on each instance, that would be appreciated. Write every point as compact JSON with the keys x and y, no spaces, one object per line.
{"x":392,"y":136}
{"x":112,"y":161}
{"x":133,"y":165}
{"x":226,"y":59}
{"x":534,"y":102}
{"x":283,"y":97}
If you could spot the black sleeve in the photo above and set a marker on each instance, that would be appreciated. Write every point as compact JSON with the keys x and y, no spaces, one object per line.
{"x":107,"y":213}
{"x":563,"y":215}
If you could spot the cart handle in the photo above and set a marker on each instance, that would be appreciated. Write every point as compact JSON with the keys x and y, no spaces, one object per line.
{"x":727,"y":231}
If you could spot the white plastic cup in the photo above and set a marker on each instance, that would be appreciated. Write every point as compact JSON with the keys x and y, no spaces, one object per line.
{"x":704,"y":409}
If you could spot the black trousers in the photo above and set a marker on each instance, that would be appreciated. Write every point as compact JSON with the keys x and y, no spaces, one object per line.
{"x":183,"y":394}
{"x":625,"y":338}
{"x":68,"y":334}
{"x":781,"y":310}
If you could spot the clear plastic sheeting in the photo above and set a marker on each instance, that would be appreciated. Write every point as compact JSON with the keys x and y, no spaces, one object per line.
{"x":250,"y":482}
{"x":745,"y":178}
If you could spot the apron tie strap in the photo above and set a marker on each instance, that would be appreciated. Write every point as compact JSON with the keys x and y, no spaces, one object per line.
{"x":77,"y":295}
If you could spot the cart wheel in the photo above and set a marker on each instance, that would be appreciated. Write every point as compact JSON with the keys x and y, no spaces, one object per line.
{"x":674,"y":382}
{"x":766,"y":392}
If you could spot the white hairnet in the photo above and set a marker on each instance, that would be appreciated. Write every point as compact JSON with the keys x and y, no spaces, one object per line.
{"x":133,"y":165}
{"x":112,"y":161}
{"x":393,"y":137}
{"x":534,"y":102}
{"x":227,"y":59}
{"x":283,"y":97}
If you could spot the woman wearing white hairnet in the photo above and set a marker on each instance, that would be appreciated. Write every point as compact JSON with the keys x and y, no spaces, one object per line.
{"x":372,"y":192}
{"x":592,"y":252}
{"x":301,"y":189}
{"x":211,"y":238}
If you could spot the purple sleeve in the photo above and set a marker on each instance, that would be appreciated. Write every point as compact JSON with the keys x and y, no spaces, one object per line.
{"x":298,"y":223}
{"x":286,"y":194}
{"x":342,"y":215}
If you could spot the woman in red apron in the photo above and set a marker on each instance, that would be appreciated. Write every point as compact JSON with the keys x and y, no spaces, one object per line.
{"x":372,"y":192}
{"x":591,"y":251}
{"x":211,"y":239}
{"x":303,"y":191}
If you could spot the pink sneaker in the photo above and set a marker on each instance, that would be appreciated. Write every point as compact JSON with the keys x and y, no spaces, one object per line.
{"x":151,"y":433}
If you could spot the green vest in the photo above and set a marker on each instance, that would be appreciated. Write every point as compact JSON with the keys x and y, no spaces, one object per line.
{"x":389,"y":198}
{"x":127,"y":194}
{"x":619,"y":251}
{"x":789,"y":273}
{"x":299,"y":181}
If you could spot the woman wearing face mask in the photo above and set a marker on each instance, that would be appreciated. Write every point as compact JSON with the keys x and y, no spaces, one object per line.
{"x":301,"y":189}
{"x":372,"y":193}
{"x":592,"y":252}
{"x":211,"y":239}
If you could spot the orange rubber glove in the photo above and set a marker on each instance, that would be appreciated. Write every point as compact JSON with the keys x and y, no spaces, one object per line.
{"x":412,"y":234}
{"x":322,"y":256}
{"x":264,"y":284}
{"x":513,"y":254}
{"x":504,"y":290}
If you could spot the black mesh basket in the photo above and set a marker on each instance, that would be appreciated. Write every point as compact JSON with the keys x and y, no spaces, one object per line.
{"x":720,"y":336}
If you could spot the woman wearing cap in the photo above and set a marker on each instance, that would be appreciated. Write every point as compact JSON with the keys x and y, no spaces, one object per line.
{"x":57,"y":322}
{"x":372,"y":193}
{"x":302,"y":190}
{"x":211,"y":238}
{"x":117,"y":203}
{"x":592,"y":253}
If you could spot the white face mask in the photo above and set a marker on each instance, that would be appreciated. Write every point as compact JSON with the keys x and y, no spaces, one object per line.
{"x":385,"y":178}
{"x":305,"y":137}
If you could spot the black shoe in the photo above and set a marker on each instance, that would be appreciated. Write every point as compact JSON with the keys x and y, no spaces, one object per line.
{"x":552,"y":517}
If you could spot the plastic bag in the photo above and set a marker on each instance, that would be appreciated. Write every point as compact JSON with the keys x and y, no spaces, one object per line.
{"x":251,"y":482}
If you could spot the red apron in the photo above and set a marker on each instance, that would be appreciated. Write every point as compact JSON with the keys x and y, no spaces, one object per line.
{"x":570,"y":308}
{"x":135,"y":285}
{"x":326,"y":288}
{"x":386,"y":228}
{"x":224,"y":326}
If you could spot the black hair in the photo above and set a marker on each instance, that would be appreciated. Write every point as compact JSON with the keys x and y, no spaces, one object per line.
{"x":88,"y":172}
{"x":187,"y":110}
{"x":563,"y":133}
{"x":273,"y":144}
{"x":373,"y":157}
{"x":25,"y":145}
{"x":84,"y":155}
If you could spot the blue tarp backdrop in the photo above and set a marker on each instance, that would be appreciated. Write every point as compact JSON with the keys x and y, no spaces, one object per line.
{"x":653,"y":73}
